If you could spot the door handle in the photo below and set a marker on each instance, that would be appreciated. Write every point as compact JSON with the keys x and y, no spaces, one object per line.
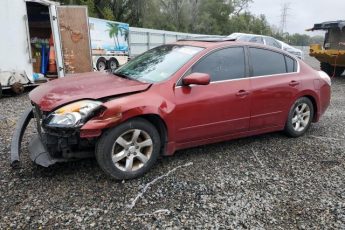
{"x":293,"y":83}
{"x":242,"y":93}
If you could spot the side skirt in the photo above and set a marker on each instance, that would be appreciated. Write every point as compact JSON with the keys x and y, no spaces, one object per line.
{"x":179,"y":146}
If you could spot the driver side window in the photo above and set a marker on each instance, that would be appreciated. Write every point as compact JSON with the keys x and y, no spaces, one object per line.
{"x":224,"y":64}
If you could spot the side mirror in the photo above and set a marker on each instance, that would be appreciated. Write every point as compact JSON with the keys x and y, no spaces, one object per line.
{"x":197,"y":79}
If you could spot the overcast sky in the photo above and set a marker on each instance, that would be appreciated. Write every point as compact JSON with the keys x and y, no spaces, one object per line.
{"x":302,"y":14}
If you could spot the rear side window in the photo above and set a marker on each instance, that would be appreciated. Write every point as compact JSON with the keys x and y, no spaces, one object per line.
{"x":224,"y":64}
{"x":291,"y":64}
{"x":273,"y":42}
{"x":266,"y":62}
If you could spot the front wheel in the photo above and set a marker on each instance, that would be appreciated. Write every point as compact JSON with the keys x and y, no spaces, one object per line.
{"x":101,"y":64}
{"x":300,"y":117}
{"x":129,"y":150}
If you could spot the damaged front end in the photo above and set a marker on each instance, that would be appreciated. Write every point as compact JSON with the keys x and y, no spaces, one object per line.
{"x":18,"y":136}
{"x":51,"y":144}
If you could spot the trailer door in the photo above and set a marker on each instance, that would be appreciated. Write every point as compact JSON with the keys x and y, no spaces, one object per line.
{"x":73,"y":40}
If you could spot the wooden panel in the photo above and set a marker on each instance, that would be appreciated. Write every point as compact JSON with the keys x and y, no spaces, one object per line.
{"x":75,"y":39}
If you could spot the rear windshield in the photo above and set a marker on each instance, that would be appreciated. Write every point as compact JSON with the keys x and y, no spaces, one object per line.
{"x":158,"y":64}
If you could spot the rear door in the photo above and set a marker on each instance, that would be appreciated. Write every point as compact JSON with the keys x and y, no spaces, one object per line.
{"x":274,"y":83}
{"x":72,"y":39}
{"x":220,"y":108}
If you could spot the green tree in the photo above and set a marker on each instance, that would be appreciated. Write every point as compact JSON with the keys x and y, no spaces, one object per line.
{"x":113,"y":30}
{"x":218,"y":17}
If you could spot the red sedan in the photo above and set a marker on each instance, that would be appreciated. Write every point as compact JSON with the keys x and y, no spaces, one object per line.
{"x":172,"y":97}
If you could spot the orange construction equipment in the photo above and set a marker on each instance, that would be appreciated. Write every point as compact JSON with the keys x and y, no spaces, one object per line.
{"x":52,"y":60}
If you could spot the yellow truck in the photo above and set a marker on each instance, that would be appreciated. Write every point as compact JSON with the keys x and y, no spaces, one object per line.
{"x":332,"y":54}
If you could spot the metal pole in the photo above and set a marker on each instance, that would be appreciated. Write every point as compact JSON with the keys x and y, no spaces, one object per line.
{"x":148,"y":40}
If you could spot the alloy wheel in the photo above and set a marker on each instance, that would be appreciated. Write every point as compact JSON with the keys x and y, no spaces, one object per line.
{"x":132,"y":150}
{"x":301,"y":117}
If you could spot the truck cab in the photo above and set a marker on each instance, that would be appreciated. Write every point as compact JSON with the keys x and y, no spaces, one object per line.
{"x":332,"y":53}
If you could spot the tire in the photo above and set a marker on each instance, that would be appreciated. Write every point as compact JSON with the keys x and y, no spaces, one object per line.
{"x":101,"y":64}
{"x":113,"y":64}
{"x":339,"y":71}
{"x":119,"y":146}
{"x":300,"y":117}
{"x":0,"y":90}
{"x":17,"y":88}
{"x":329,"y":69}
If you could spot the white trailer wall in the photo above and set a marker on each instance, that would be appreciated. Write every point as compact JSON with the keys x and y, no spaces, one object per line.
{"x":14,"y":55}
{"x":142,"y":39}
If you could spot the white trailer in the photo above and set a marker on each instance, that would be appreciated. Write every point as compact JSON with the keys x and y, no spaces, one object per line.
{"x":27,"y":25}
{"x":109,"y":43}
{"x":143,"y":39}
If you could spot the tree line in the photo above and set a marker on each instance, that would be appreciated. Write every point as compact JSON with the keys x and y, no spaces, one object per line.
{"x":212,"y":17}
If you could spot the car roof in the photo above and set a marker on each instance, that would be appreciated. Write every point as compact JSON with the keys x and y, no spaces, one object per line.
{"x":221,"y":43}
{"x":244,"y":34}
{"x":258,"y":35}
{"x":210,"y":44}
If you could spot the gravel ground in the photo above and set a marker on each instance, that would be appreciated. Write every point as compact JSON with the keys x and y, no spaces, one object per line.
{"x":263,"y":182}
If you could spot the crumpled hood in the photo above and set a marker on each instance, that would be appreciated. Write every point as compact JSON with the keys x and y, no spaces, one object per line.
{"x":94,"y":85}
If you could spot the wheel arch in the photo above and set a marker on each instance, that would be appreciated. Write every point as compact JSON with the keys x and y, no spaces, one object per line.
{"x":313,"y":100}
{"x":159,"y":124}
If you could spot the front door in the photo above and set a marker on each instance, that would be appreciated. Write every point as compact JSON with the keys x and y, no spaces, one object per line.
{"x":217,"y":109}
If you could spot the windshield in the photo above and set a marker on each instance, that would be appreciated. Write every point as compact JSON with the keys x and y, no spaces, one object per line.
{"x":158,"y":64}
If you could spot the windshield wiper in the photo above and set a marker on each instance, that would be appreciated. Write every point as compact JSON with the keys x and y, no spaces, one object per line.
{"x":122,"y":75}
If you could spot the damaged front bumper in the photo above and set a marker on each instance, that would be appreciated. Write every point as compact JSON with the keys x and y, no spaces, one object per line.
{"x":18,"y":136}
{"x":38,"y":151}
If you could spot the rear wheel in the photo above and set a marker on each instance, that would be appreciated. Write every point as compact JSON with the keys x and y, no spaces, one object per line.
{"x":0,"y":90}
{"x":331,"y":70}
{"x":129,"y":150}
{"x":112,"y":64}
{"x":300,"y":117}
{"x":339,"y":71}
